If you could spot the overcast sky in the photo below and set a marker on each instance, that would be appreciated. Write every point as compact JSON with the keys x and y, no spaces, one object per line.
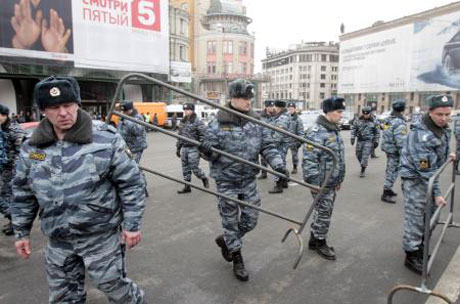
{"x":278,"y":24}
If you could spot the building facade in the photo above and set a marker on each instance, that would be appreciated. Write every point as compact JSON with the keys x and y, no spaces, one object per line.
{"x":306,"y":73}
{"x":411,"y":58}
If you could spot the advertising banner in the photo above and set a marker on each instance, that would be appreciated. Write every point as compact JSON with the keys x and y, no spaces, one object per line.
{"x":181,"y":72}
{"x":421,"y":56}
{"x":128,"y":35}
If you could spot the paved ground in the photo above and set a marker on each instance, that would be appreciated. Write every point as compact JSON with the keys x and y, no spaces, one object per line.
{"x":178,"y":262}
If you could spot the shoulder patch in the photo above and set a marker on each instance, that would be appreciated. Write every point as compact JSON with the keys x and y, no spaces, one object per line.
{"x":424,"y":164}
{"x":332,"y":139}
{"x":404,"y":132}
{"x":37,"y":156}
{"x":226,"y":128}
{"x":309,"y":147}
{"x":386,"y":126}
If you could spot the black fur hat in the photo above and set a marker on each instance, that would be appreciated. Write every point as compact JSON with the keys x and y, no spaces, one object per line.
{"x":126,"y":105}
{"x":56,"y":90}
{"x":189,"y":106}
{"x":333,"y":104}
{"x":4,"y":110}
{"x":280,"y":103}
{"x":241,"y":88}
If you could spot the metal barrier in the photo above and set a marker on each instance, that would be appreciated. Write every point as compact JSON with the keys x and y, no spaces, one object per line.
{"x":431,"y":221}
{"x":301,"y":224}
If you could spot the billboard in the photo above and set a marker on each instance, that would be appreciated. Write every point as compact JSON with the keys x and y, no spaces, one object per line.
{"x":420,"y":56}
{"x":128,"y":35}
{"x":181,"y":71}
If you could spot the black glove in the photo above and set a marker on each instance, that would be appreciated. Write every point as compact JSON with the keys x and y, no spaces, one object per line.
{"x":352,"y":141}
{"x":205,"y":148}
{"x":376,"y":144}
{"x":178,"y":151}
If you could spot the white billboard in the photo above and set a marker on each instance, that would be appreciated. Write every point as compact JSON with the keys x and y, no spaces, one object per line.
{"x":128,"y":35}
{"x":421,"y":56}
{"x":181,"y":72}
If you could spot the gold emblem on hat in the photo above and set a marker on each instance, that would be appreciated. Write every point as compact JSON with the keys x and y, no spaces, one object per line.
{"x":54,"y":92}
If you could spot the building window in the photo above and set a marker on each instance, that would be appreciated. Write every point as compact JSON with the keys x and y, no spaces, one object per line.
{"x":243,"y":67}
{"x":228,"y":67}
{"x":243,"y":48}
{"x":323,"y":57}
{"x":321,"y":95}
{"x":322,"y":85}
{"x":183,"y":27}
{"x":323,"y":68}
{"x":211,"y":47}
{"x":308,"y":95}
{"x":412,"y":96}
{"x":334,"y":58}
{"x":228,"y":47}
{"x":323,"y":76}
{"x":183,"y":52}
{"x":211,"y":67}
{"x":359,"y":96}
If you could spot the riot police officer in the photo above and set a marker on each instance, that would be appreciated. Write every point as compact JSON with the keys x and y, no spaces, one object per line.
{"x":296,"y":127}
{"x":191,"y":127}
{"x":316,"y":164}
{"x":393,"y":137}
{"x":367,"y":131}
{"x":247,"y":140}
{"x":425,"y":150}
{"x":457,"y":142}
{"x":267,"y":116}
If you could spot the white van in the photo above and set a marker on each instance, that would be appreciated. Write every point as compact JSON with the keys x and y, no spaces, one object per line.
{"x":205,"y":113}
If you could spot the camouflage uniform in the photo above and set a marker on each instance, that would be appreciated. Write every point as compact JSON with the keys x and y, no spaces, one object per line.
{"x":13,"y":135}
{"x":281,"y":120}
{"x":316,"y":164}
{"x":295,"y":127}
{"x":247,"y":140}
{"x":3,"y":155}
{"x":87,"y":188}
{"x":393,"y":137}
{"x":267,"y":118}
{"x":134,"y":135}
{"x":425,"y":150}
{"x":457,"y":141}
{"x":367,"y":132}
{"x":192,"y":128}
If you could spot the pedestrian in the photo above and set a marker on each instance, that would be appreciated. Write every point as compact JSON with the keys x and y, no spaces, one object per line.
{"x":457,"y":143}
{"x":425,"y":150}
{"x":393,"y":136}
{"x":193,"y":128}
{"x":367,"y":131}
{"x":316,"y":165}
{"x":134,"y":134}
{"x":174,"y":122}
{"x":267,"y":117}
{"x":155,"y":121}
{"x":90,"y":193}
{"x":295,"y":127}
{"x":374,"y":117}
{"x":282,"y":120}
{"x":21,"y":118}
{"x":13,"y":136}
{"x":246,"y":139}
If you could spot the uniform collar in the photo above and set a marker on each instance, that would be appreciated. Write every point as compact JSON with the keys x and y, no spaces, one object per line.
{"x":226,"y":117}
{"x":323,"y":121}
{"x":80,"y":133}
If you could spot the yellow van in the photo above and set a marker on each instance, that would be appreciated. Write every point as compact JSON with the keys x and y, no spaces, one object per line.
{"x":151,"y":108}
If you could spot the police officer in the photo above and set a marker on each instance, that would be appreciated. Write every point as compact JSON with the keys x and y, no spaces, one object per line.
{"x":247,"y":140}
{"x":267,"y":116}
{"x":282,"y":120}
{"x":393,"y":137}
{"x":316,"y":164}
{"x":425,"y":150}
{"x":457,"y":142}
{"x":13,"y":136}
{"x":367,"y":131}
{"x":191,"y":127}
{"x":296,"y":127}
{"x":90,"y":192}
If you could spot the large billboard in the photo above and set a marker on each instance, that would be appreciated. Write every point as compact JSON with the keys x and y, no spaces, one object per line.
{"x":421,"y":56}
{"x":128,"y":35}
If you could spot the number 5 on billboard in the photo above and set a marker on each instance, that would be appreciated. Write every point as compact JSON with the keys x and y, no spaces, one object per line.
{"x":146,"y":14}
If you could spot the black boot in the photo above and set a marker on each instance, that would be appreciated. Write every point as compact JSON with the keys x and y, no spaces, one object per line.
{"x":263,"y":175}
{"x":285,"y":183}
{"x":386,"y":197}
{"x":8,"y":229}
{"x":414,"y":262}
{"x":205,"y":181}
{"x":186,"y":189}
{"x":294,"y":170}
{"x":392,"y":193}
{"x":278,"y":188}
{"x":321,"y":248}
{"x":238,"y":267}
{"x":362,"y":173}
{"x":223,"y":247}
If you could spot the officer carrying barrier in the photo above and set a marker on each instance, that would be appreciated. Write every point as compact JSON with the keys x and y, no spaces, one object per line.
{"x":297,"y":231}
{"x":431,"y":222}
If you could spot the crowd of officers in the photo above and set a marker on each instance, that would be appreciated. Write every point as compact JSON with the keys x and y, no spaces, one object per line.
{"x":82,"y":177}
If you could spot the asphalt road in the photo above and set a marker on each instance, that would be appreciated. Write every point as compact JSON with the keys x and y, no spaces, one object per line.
{"x":178,"y":261}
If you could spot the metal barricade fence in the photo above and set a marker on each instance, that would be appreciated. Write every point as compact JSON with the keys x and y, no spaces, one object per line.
{"x":301,"y":224}
{"x":431,"y":221}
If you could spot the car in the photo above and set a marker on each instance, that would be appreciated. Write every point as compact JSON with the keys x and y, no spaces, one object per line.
{"x":346,"y":121}
{"x":451,"y":55}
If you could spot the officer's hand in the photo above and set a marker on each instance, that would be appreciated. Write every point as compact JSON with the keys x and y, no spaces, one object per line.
{"x":376,"y":144}
{"x":23,"y":248}
{"x":452,"y":156}
{"x":352,"y":141}
{"x":205,"y":148}
{"x":440,"y":201}
{"x":178,"y":151}
{"x":131,"y":238}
